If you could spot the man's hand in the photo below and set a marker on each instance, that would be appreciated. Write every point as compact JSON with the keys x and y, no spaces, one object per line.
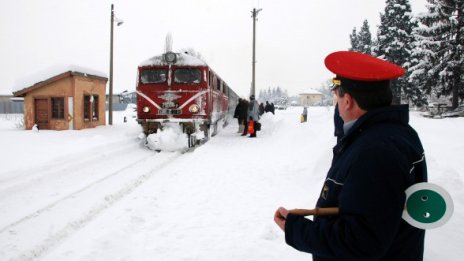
{"x":280,"y":217}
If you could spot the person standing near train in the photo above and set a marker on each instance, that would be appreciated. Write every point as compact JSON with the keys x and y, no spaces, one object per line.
{"x":377,"y":159}
{"x":261,"y":109}
{"x":253,"y":115}
{"x":267,"y":107}
{"x":244,"y":116}
{"x":237,"y":114}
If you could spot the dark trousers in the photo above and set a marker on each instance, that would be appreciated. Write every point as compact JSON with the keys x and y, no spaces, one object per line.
{"x":245,"y":130}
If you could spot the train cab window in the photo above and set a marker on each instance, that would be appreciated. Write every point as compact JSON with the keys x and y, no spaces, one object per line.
{"x":185,"y":75}
{"x":153,"y":76}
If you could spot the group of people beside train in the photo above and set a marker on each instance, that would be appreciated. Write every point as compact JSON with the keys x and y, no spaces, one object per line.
{"x":269,"y":107}
{"x":248,"y":113}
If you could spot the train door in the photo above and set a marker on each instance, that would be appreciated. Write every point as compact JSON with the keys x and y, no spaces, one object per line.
{"x":41,"y":113}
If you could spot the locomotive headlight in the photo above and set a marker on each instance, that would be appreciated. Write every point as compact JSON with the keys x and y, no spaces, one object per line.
{"x":170,"y":57}
{"x":194,"y":108}
{"x":146,"y":109}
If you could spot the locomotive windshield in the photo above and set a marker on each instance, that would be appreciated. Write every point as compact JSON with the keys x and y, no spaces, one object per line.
{"x":153,"y":76}
{"x":187,"y":75}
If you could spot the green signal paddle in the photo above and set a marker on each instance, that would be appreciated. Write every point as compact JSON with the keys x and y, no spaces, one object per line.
{"x":427,"y":206}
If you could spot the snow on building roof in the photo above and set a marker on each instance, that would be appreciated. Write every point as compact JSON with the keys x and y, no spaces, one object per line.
{"x":39,"y":79}
{"x":310,"y":91}
{"x":183,"y":59}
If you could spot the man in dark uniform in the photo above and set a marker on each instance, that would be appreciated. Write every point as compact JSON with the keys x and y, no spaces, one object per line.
{"x":376,"y":160}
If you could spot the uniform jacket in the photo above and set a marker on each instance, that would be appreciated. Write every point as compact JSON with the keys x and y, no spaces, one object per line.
{"x":372,"y":166}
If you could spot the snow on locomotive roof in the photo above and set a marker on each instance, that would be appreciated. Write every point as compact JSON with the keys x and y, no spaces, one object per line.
{"x":182,"y":59}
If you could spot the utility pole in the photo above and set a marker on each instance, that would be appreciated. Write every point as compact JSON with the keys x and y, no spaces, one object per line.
{"x":254,"y":16}
{"x":110,"y":97}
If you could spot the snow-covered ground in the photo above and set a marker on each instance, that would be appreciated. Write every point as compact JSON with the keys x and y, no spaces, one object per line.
{"x":99,"y":194}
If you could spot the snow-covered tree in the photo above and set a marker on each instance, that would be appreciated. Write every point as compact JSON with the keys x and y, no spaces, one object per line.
{"x":362,"y":41}
{"x":354,"y":40}
{"x":439,"y":53}
{"x":395,"y":42}
{"x":274,"y":95}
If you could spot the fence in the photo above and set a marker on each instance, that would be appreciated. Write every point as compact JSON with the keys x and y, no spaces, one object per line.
{"x":7,"y":107}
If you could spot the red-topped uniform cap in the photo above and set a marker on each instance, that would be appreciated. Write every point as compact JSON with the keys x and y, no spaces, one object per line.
{"x":361,"y":67}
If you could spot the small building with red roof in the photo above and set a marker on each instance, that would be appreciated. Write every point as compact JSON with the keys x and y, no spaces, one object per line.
{"x":70,"y":100}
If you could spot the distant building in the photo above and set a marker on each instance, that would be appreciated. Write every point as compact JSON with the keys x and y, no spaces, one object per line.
{"x":10,"y":104}
{"x":128,"y":97}
{"x":71,"y":100}
{"x":310,"y":97}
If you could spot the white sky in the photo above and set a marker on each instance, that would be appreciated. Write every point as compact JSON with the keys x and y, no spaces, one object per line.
{"x":293,"y":37}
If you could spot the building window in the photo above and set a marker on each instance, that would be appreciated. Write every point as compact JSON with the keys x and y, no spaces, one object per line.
{"x":57,"y":107}
{"x":90,"y":107}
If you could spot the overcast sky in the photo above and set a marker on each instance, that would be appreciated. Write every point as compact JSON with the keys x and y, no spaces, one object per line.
{"x":293,"y":37}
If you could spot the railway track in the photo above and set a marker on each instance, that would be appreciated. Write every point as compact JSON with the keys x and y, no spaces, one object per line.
{"x":47,"y":226}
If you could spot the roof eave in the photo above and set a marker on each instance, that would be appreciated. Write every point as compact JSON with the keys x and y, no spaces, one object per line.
{"x":23,"y":92}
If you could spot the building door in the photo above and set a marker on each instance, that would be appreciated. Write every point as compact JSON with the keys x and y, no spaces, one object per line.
{"x":71,"y":113}
{"x":41,"y":113}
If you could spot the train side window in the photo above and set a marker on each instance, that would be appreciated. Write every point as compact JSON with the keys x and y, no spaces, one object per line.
{"x":153,"y":76}
{"x":210,"y":83}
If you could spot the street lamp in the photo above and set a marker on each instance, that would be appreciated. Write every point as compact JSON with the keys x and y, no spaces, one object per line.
{"x":110,"y":101}
{"x":254,"y":16}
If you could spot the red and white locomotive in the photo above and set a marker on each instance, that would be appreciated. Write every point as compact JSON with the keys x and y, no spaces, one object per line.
{"x":180,"y":88}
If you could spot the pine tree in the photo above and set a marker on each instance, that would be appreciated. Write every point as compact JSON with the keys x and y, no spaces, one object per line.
{"x":439,"y":67}
{"x":365,"y":39}
{"x":354,"y":40}
{"x":395,"y":43}
{"x":261,"y":96}
{"x":362,"y":41}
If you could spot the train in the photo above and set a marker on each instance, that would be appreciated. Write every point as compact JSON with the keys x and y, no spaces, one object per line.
{"x":180,"y":88}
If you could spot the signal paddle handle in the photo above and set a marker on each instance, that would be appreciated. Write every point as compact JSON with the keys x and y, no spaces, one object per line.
{"x":315,"y":211}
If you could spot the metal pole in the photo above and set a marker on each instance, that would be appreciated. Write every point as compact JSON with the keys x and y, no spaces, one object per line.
{"x":110,"y":101}
{"x":253,"y":83}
